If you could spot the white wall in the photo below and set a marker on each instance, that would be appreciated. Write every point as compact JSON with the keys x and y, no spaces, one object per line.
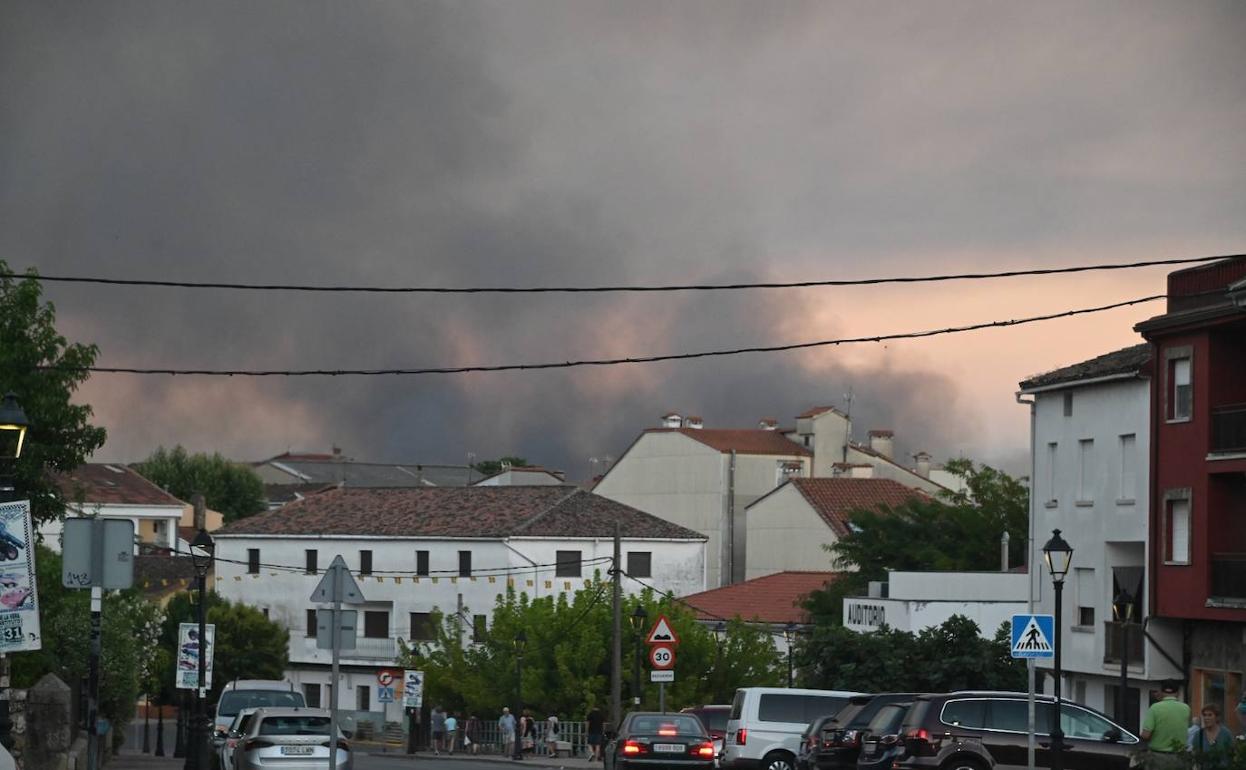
{"x":164,"y":517}
{"x":786,"y":533}
{"x":920,"y":600}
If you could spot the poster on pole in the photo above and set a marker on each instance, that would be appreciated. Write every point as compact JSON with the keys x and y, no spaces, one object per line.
{"x":188,"y":655}
{"x":19,"y":593}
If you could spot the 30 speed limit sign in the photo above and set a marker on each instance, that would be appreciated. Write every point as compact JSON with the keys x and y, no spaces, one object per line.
{"x":662,"y":657}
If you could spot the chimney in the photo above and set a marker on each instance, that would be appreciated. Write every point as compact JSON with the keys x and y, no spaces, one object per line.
{"x":923,"y":464}
{"x":672,"y":420}
{"x":201,"y":513}
{"x":694,"y":422}
{"x":337,"y":451}
{"x":883,"y":442}
{"x":768,"y":423}
{"x":852,"y":470}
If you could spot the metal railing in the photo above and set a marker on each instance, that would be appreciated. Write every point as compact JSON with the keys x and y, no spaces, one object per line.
{"x":1228,"y":428}
{"x":1113,"y":634}
{"x":366,"y":648}
{"x":573,"y":733}
{"x":1228,"y":575}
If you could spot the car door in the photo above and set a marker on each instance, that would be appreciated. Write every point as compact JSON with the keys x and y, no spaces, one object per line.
{"x":1087,"y":746}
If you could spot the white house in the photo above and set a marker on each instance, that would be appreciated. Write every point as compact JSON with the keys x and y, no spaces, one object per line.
{"x":914,"y":601}
{"x":117,"y":492}
{"x":451,"y":549}
{"x":790,"y":528}
{"x":1091,"y":450}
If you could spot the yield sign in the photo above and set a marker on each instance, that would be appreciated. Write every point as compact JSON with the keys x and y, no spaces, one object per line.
{"x":662,"y":633}
{"x":338,"y":585}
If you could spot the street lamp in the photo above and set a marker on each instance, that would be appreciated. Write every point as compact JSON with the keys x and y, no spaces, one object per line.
{"x":639,"y":619}
{"x":1123,"y":614}
{"x":13,"y":425}
{"x":1058,"y":555}
{"x":198,"y":757}
{"x":521,"y":641}
{"x":789,"y":634}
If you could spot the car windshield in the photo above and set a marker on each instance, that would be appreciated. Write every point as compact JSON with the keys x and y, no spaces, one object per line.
{"x":295,"y":725}
{"x":234,"y":701}
{"x":887,"y":720}
{"x":670,"y":724}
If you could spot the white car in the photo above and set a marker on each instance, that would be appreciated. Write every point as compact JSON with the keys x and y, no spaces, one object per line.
{"x":765,"y":725}
{"x":226,"y":743}
{"x":289,"y":738}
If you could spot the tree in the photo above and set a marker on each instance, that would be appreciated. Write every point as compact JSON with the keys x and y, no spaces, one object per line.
{"x":227,"y":486}
{"x":44,"y":370}
{"x":491,"y":467}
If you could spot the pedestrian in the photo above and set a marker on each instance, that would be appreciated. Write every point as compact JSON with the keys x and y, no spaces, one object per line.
{"x":1164,"y":729}
{"x":596,"y":733}
{"x":527,"y":732}
{"x":1211,"y":735}
{"x":452,"y":724}
{"x":551,"y":735}
{"x":437,"y":720}
{"x":471,"y":734}
{"x":506,"y":724}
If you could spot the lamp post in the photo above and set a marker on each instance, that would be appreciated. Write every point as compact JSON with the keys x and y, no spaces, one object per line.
{"x":13,"y":425}
{"x":1058,"y":555}
{"x":521,"y":641}
{"x":789,"y":635}
{"x":198,"y":755}
{"x":1123,"y":614}
{"x":639,"y":619}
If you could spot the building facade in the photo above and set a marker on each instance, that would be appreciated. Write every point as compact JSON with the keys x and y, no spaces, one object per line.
{"x":117,"y":491}
{"x":915,"y":601}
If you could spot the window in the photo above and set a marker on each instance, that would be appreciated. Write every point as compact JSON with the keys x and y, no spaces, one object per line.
{"x":311,"y":624}
{"x":1087,"y":595}
{"x":1133,"y":705}
{"x":1180,"y":387}
{"x":311,"y":694}
{"x":253,"y":561}
{"x":1013,"y":715}
{"x":1129,"y":464}
{"x":1085,"y":470}
{"x":1222,"y":689}
{"x":421,"y":562}
{"x":480,"y":624}
{"x":465,"y":563}
{"x":1177,"y":527}
{"x":1068,"y":403}
{"x":265,"y":611}
{"x":567,"y":564}
{"x":801,"y":709}
{"x":365,"y":562}
{"x":1080,"y":723}
{"x":1051,"y":475}
{"x":640,"y":564}
{"x":376,"y":624}
{"x":422,"y":627}
{"x":310,"y":557}
{"x":363,"y":697}
{"x":964,"y":713}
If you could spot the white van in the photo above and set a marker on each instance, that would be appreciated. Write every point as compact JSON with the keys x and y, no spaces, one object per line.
{"x":253,"y":693}
{"x":765,"y":724}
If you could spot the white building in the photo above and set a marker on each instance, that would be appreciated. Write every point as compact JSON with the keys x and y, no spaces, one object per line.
{"x":1091,"y":450}
{"x":453,"y":550}
{"x":117,"y":492}
{"x":915,"y":601}
{"x":528,"y":476}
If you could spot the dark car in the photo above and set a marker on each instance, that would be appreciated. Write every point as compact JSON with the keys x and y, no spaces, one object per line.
{"x":986,"y":730}
{"x":651,"y":740}
{"x":837,"y":743}
{"x":883,"y":741}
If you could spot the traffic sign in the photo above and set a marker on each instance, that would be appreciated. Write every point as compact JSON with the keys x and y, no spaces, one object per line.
{"x":662,"y":633}
{"x":348,"y":625}
{"x":384,"y":694}
{"x":338,"y":585}
{"x":1032,"y":636}
{"x":97,"y":552}
{"x":661,"y":676}
{"x":662,"y":656}
{"x":385,"y":678}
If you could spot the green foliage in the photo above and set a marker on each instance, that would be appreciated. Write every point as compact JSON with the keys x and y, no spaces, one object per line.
{"x":949,"y":657}
{"x":60,"y":437}
{"x":566,"y":660}
{"x":248,"y":645}
{"x":490,"y":467}
{"x":229,"y":487}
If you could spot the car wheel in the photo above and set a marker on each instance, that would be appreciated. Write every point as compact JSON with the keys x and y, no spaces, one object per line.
{"x":779,"y":760}
{"x":963,"y":764}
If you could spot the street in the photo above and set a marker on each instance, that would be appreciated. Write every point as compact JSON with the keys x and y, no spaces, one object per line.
{"x":374,"y":761}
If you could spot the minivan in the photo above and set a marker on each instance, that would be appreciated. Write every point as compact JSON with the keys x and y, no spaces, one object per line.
{"x":765,"y":724}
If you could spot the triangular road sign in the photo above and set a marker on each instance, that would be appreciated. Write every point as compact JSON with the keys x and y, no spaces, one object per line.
{"x":662,"y":633}
{"x":338,"y":585}
{"x":1031,"y":636}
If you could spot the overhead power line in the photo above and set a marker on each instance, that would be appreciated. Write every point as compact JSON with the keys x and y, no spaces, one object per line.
{"x":601,"y":361}
{"x":604,"y":289}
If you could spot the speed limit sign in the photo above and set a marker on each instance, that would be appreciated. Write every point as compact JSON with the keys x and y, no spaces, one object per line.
{"x":662,"y":657}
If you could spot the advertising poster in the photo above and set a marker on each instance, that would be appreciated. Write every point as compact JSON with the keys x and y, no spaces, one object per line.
{"x":19,"y":594}
{"x":188,"y":655}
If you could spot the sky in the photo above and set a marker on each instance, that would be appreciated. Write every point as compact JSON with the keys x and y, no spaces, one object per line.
{"x":532,"y":142}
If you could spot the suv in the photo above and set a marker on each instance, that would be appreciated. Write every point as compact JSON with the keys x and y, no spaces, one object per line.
{"x":765,"y":725}
{"x":253,"y":693}
{"x":985,"y":730}
{"x":837,"y":743}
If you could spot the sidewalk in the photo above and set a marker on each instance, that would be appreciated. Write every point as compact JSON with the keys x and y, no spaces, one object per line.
{"x":579,"y":763}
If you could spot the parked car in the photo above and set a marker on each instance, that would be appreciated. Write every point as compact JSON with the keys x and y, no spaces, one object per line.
{"x":226,"y":743}
{"x":987,"y":730}
{"x":714,"y":717}
{"x":882,"y":742}
{"x":811,"y":742}
{"x":766,"y":723}
{"x":839,"y":742}
{"x":291,"y":738}
{"x":660,"y":741}
{"x":253,"y":693}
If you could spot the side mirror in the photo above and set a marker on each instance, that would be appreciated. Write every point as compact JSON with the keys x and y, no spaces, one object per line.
{"x":1113,"y":735}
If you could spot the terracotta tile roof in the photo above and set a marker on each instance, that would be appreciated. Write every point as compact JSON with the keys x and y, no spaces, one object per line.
{"x":815,"y":411}
{"x":516,"y":511}
{"x":112,"y":484}
{"x":1130,"y":360}
{"x":771,"y":599}
{"x":745,"y":441}
{"x":835,"y":498}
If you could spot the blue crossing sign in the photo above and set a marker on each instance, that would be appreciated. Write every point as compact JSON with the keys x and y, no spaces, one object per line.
{"x":1033,"y":636}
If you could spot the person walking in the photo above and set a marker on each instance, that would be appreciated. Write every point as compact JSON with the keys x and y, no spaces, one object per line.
{"x":1210,"y":736}
{"x":452,"y":725}
{"x":437,"y":720}
{"x":471,"y":734}
{"x":1164,"y":729}
{"x":596,"y":734}
{"x":527,"y":732}
{"x":506,"y":724}
{"x":551,"y":735}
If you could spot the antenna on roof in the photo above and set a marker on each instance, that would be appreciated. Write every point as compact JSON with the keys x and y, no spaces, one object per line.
{"x":848,"y":416}
{"x":471,"y":463}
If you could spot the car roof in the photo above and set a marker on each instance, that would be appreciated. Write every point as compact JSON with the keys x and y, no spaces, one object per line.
{"x":259,"y":684}
{"x":290,"y":711}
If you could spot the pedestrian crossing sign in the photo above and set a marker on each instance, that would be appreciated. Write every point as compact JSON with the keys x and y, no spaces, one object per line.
{"x":1033,"y":636}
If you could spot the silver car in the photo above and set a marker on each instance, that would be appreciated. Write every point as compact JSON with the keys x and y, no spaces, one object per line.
{"x":226,"y":742}
{"x":291,"y":738}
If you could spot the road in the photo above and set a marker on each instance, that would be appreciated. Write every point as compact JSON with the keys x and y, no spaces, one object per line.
{"x":363,"y":761}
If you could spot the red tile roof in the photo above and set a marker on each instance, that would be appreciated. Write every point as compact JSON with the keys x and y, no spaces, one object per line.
{"x":835,"y":498}
{"x":771,"y":599}
{"x":745,"y":441}
{"x":508,"y":511}
{"x":815,"y":411}
{"x":110,"y":484}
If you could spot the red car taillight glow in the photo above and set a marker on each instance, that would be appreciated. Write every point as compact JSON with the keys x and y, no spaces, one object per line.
{"x":741,"y":737}
{"x":631,"y":748}
{"x":706,"y":750}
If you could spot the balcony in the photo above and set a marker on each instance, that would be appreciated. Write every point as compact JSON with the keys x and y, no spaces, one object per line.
{"x":1228,"y":428}
{"x":1113,"y":633}
{"x":1228,"y":576}
{"x":366,"y":649}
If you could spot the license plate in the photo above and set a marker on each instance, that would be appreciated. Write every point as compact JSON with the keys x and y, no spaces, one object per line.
{"x":299,"y":751}
{"x":669,"y":748}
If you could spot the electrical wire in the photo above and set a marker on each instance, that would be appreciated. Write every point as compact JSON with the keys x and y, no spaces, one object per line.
{"x":600,"y":361}
{"x":606,"y":288}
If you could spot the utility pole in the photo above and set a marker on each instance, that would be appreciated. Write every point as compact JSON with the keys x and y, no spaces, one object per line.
{"x":616,"y":645}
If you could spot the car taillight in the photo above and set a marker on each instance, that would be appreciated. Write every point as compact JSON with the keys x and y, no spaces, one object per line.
{"x":341,"y":744}
{"x":705,"y":750}
{"x":851,"y":738}
{"x":256,"y":743}
{"x":631,"y":748}
{"x":741,"y":737}
{"x":918,"y":734}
